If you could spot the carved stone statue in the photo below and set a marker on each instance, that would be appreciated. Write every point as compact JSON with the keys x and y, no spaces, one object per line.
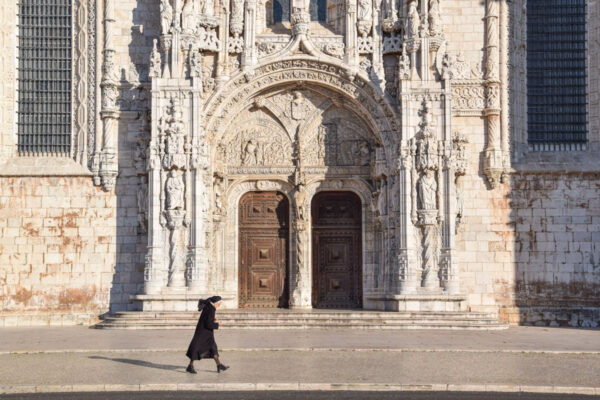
{"x":435,"y":23}
{"x":195,"y":63}
{"x":365,"y":10}
{"x":155,"y":62}
{"x":413,"y":21}
{"x":174,"y":190}
{"x":362,"y":153}
{"x":189,"y":16}
{"x":381,"y":198}
{"x":142,"y":203}
{"x":300,"y":199}
{"x":166,"y":16}
{"x":427,"y":191}
{"x":250,"y":154}
{"x":299,"y":106}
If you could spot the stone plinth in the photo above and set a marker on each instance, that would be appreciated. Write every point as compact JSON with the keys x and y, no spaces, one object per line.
{"x":419,"y":302}
{"x":175,"y":301}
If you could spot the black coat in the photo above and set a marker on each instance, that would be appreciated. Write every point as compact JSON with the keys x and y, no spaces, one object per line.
{"x":203,"y":343}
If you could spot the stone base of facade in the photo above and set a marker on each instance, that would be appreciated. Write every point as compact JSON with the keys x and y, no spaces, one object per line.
{"x":417,"y":302}
{"x":186,"y":301}
{"x":61,"y":319}
{"x":577,"y":317}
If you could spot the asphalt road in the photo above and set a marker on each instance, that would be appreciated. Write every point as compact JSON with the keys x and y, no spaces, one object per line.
{"x":297,"y":395}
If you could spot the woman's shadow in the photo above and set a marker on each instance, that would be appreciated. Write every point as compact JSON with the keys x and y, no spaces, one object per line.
{"x":176,"y":368}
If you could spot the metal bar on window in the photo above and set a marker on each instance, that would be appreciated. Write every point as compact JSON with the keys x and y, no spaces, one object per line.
{"x":556,"y":71}
{"x":44,"y":77}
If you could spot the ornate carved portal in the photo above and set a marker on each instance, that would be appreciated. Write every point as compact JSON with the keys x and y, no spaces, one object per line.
{"x":337,"y":266}
{"x":263,"y":246}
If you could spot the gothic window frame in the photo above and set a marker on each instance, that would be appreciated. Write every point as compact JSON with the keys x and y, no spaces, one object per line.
{"x":551,"y":157}
{"x":84,"y":107}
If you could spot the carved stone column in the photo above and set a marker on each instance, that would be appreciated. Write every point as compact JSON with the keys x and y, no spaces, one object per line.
{"x":351,"y":56}
{"x":108,"y":167}
{"x":249,"y":54}
{"x":493,"y":158}
{"x":154,"y":268}
{"x":197,"y":258}
{"x":300,"y":293}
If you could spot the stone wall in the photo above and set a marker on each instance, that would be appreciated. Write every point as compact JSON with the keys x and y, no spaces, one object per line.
{"x":57,"y":250}
{"x":557,"y":248}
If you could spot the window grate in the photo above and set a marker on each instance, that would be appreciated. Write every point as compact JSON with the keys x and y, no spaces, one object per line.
{"x":556,"y":71}
{"x":44,"y":111}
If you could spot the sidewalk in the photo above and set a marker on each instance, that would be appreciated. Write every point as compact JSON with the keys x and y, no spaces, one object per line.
{"x":549,"y":360}
{"x":532,"y":339}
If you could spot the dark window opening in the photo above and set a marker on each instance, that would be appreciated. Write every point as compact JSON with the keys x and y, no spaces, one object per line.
{"x":44,"y":77}
{"x":556,"y":71}
{"x":318,"y":10}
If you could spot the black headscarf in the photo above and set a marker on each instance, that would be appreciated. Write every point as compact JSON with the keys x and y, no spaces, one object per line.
{"x":203,"y":302}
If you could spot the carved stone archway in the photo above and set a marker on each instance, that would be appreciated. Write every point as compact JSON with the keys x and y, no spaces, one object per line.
{"x":351,"y":88}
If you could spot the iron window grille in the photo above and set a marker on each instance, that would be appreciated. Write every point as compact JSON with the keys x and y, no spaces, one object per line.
{"x":556,"y":72}
{"x":44,"y":77}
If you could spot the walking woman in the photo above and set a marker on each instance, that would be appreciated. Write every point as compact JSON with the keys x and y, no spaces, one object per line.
{"x":203,"y":343}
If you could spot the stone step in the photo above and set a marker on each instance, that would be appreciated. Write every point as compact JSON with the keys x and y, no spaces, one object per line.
{"x":294,"y":315}
{"x":300,"y":319}
{"x":279,"y":319}
{"x":321,"y":326}
{"x":192,"y":323}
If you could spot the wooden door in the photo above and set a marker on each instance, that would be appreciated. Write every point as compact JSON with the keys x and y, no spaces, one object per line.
{"x":337,"y":255}
{"x":263,"y":247}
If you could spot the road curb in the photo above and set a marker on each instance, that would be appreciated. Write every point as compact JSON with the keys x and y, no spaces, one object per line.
{"x":311,"y":349}
{"x":297,"y":386}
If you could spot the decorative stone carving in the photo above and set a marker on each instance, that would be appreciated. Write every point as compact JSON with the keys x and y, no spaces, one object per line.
{"x":236,"y":26}
{"x":253,"y":148}
{"x":172,"y":127}
{"x":334,"y":49}
{"x":155,"y":62}
{"x":195,"y":63}
{"x":364,"y":17}
{"x":494,"y":157}
{"x":392,"y":43}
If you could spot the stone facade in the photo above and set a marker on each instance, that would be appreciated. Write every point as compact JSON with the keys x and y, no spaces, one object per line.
{"x":183,"y":106}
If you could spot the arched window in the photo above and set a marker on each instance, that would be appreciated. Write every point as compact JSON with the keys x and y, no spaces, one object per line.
{"x":318,"y":10}
{"x":277,"y":11}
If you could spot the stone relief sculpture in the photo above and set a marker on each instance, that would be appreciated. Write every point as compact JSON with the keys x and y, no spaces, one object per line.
{"x":256,"y":148}
{"x":365,"y":17}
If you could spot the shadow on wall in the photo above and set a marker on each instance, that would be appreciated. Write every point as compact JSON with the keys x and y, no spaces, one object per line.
{"x":557,"y":248}
{"x":134,"y":135}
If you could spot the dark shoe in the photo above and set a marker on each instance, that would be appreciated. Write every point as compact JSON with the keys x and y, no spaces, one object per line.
{"x":191,"y":370}
{"x":222,"y":367}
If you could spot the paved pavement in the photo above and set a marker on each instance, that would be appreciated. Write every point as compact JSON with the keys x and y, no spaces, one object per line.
{"x":299,"y":395}
{"x":514,"y":339}
{"x":550,"y":360}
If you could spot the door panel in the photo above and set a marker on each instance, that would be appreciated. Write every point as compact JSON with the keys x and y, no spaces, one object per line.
{"x":337,"y":266}
{"x":263,"y":227}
